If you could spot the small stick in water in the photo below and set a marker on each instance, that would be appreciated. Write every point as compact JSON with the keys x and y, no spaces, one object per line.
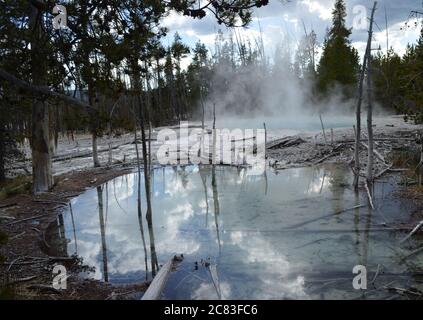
{"x":323,"y":128}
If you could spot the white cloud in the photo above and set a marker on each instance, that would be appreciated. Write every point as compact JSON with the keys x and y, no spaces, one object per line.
{"x":324,"y":10}
{"x":399,"y":36}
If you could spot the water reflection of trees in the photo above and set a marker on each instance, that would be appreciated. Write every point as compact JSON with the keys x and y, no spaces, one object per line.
{"x":203,"y":175}
{"x":103,"y":233}
{"x":55,"y":242}
{"x":216,"y":205}
{"x":148,"y":173}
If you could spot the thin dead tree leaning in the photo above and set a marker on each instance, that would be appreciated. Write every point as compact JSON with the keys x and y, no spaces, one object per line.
{"x":323,"y":129}
{"x":139,"y":209}
{"x":359,"y":102}
{"x":370,"y":158}
{"x":370,"y":153}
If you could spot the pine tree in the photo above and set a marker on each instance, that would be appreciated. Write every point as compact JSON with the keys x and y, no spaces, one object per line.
{"x":387,"y":75}
{"x":412,"y":103}
{"x":339,"y":62}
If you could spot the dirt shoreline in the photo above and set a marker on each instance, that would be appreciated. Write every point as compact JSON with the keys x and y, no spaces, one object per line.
{"x":24,"y":217}
{"x":27,"y":267}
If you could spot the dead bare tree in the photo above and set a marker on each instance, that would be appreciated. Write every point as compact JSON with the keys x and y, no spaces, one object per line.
{"x":370,"y":158}
{"x":323,"y":129}
{"x":139,"y":209}
{"x":359,"y":102}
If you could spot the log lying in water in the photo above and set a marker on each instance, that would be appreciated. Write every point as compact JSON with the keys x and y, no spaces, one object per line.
{"x":284,"y":142}
{"x":159,"y":282}
{"x":86,"y":153}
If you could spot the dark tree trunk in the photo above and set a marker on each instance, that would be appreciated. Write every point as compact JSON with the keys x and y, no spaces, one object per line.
{"x":149,"y":213}
{"x":40,"y":146}
{"x":2,"y":151}
{"x":94,"y":127}
{"x":103,"y":233}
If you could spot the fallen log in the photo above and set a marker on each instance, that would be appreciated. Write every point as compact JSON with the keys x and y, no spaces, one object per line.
{"x":416,"y":228}
{"x":26,"y":219}
{"x":381,"y":173}
{"x":403,"y":291}
{"x":85,"y":154}
{"x":47,"y":201}
{"x":413,"y":253}
{"x":325,"y":216}
{"x":333,"y":152}
{"x":380,"y":157}
{"x":366,"y":185}
{"x":284,"y":142}
{"x":22,"y":280}
{"x":43,"y":288}
{"x":8,"y":205}
{"x":157,"y":285}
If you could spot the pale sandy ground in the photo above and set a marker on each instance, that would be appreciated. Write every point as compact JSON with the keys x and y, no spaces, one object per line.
{"x":68,"y":154}
{"x":391,"y":133}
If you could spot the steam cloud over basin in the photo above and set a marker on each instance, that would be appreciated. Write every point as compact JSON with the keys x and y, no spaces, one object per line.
{"x":264,"y":245}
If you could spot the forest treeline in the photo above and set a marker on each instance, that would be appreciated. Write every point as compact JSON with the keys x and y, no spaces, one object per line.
{"x":110,"y":71}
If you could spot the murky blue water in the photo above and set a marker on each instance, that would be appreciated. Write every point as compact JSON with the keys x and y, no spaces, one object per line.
{"x":280,"y":235}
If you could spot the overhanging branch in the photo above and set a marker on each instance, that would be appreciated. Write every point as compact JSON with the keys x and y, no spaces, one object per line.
{"x":42,"y":90}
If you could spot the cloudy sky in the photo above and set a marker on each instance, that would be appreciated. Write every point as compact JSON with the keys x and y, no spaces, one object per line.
{"x":283,"y":21}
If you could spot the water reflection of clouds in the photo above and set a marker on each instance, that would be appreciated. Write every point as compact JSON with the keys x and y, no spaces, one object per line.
{"x":275,"y":275}
{"x":251,"y":265}
{"x":123,"y":240}
{"x":207,"y":291}
{"x":318,"y":185}
{"x":171,"y":239}
{"x":125,"y":253}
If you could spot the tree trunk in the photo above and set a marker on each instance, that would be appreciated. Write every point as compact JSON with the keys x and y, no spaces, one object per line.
{"x":103,"y":233}
{"x":139,"y":209}
{"x":95,"y":150}
{"x":94,"y":128}
{"x":40,"y":145}
{"x":370,"y":159}
{"x":359,"y":102}
{"x":2,"y":151}
{"x":149,"y":213}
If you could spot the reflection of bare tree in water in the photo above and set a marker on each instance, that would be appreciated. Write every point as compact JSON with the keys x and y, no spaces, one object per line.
{"x":103,"y":233}
{"x":338,"y":181}
{"x":143,"y":116}
{"x":367,"y":235}
{"x":107,"y":204}
{"x":357,"y":227}
{"x":62,"y":242}
{"x":154,"y":261}
{"x":139,"y":209}
{"x":203,"y":176}
{"x":266,"y":183}
{"x":73,"y":227}
{"x":184,"y":176}
{"x":216,"y":204}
